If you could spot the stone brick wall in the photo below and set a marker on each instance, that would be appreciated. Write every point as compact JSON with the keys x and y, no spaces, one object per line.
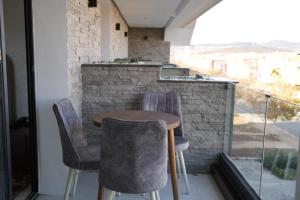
{"x":84,"y":42}
{"x":148,"y":43}
{"x":204,"y":105}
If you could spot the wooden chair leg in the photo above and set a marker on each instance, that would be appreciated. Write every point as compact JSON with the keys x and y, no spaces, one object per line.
{"x":152,"y":196}
{"x":178,"y":165}
{"x":101,"y":192}
{"x":157,"y":195}
{"x":118,"y":194}
{"x":69,"y":183}
{"x":186,"y":181}
{"x":112,"y":195}
{"x":75,"y":183}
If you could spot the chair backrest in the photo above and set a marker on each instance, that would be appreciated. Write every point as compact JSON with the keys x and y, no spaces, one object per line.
{"x":168,"y":102}
{"x":69,"y":129}
{"x":133,"y":155}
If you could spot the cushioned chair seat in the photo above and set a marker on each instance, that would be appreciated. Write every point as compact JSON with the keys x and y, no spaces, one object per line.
{"x":181,"y":143}
{"x":133,"y":156}
{"x":89,"y":157}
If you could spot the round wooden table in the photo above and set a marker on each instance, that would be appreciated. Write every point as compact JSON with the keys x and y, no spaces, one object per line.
{"x":172,"y":122}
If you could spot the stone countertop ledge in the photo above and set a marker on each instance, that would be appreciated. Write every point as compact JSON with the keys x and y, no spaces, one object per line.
{"x":193,"y":79}
{"x":159,"y":64}
{"x":165,"y":78}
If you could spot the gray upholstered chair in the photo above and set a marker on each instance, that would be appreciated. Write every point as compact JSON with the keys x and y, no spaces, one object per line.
{"x":133,"y":157}
{"x":169,"y":102}
{"x":77,"y":154}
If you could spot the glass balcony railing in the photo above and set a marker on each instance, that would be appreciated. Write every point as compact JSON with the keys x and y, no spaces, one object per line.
{"x":265,"y":143}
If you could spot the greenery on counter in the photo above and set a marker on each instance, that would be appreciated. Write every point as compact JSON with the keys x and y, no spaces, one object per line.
{"x":126,"y":60}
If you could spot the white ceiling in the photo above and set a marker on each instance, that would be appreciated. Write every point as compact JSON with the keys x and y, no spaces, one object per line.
{"x":157,"y":13}
{"x":147,"y":13}
{"x":191,"y":11}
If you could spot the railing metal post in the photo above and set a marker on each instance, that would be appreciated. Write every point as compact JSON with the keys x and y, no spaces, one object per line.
{"x":268,"y":96}
{"x":297,"y":192}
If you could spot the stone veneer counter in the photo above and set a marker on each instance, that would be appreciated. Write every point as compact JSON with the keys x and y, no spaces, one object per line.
{"x":207,"y":106}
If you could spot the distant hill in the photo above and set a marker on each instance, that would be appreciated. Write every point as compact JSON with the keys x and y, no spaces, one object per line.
{"x":282,"y":44}
{"x":243,"y":47}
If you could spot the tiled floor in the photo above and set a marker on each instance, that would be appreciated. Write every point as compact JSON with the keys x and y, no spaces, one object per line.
{"x":202,"y":186}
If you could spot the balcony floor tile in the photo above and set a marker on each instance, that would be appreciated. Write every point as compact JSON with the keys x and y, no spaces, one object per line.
{"x":202,"y":186}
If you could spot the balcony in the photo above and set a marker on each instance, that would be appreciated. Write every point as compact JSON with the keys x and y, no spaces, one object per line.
{"x":243,"y":143}
{"x":263,"y":135}
{"x":262,"y":129}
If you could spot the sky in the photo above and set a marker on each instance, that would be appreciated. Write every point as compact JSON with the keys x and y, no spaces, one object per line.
{"x":249,"y":21}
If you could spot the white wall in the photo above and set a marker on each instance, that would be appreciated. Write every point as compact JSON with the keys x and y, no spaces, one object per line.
{"x":50,"y":49}
{"x":113,"y":42}
{"x":106,"y":22}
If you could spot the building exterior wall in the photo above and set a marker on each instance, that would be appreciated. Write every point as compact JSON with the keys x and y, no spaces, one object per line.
{"x":84,"y":44}
{"x":149,"y":44}
{"x":204,"y":105}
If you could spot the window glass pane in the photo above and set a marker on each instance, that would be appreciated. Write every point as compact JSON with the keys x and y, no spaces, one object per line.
{"x":248,"y":132}
{"x":281,"y":151}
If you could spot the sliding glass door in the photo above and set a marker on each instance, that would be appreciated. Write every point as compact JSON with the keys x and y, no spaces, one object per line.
{"x":18,"y":148}
{"x":5,"y":189}
{"x":4,"y":145}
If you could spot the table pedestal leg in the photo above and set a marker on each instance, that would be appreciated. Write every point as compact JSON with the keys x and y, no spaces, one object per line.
{"x":172,"y":160}
{"x":101,"y":192}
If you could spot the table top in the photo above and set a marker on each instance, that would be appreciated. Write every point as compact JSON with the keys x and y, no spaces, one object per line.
{"x":172,"y":121}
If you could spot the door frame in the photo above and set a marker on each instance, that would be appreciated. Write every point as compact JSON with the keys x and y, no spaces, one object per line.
{"x":31,"y":102}
{"x":31,"y":95}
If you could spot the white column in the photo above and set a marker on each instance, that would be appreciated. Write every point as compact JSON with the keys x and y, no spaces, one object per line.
{"x":50,"y":51}
{"x":106,"y":29}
